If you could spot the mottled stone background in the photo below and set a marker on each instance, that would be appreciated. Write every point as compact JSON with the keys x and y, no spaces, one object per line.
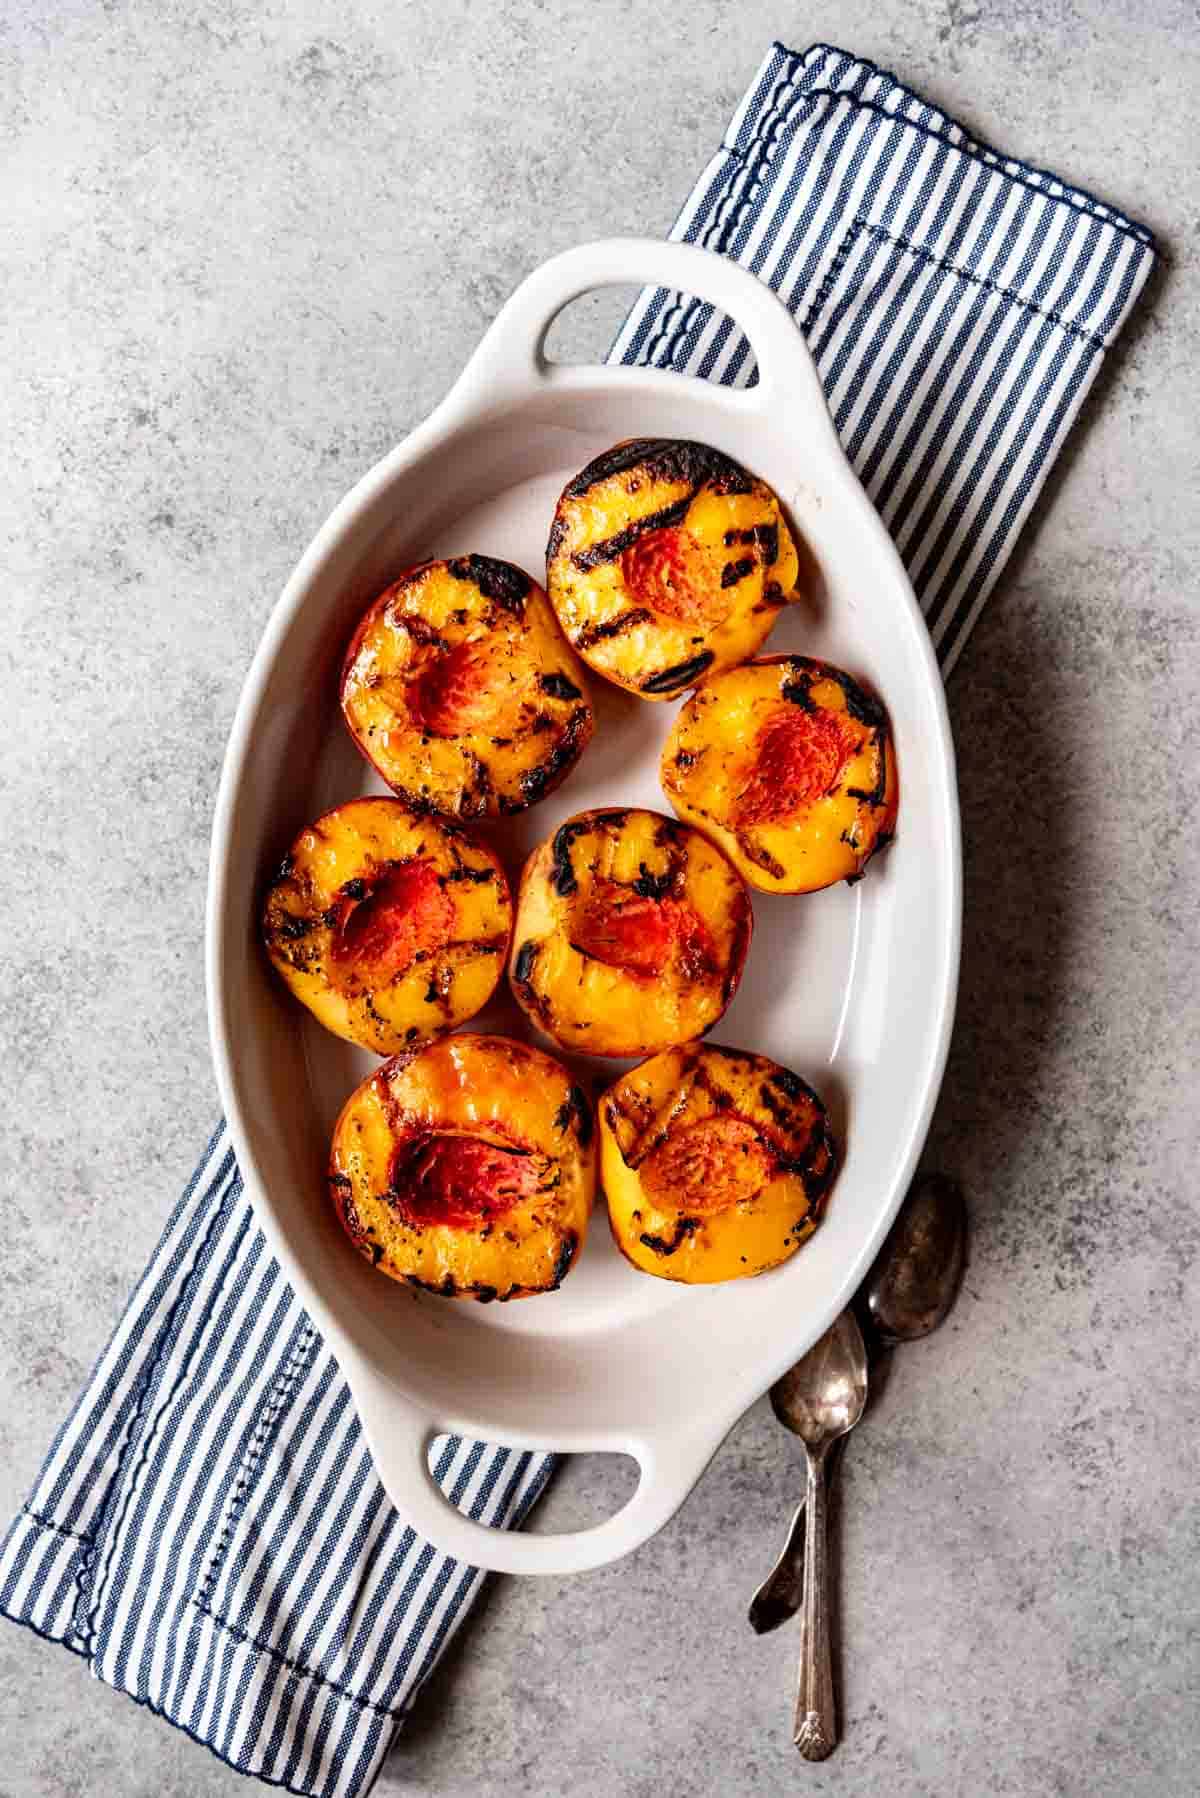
{"x":246,"y":248}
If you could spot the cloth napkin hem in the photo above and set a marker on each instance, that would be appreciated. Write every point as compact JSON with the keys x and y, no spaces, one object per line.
{"x":29,"y":1531}
{"x":26,"y":1534}
{"x":358,"y":1727}
{"x":896,"y":98}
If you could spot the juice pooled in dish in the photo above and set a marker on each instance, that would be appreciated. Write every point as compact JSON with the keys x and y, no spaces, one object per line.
{"x":631,"y":933}
{"x":389,"y":927}
{"x":467,"y":1168}
{"x":787,"y":764}
{"x":460,"y":690}
{"x":715,"y":1163}
{"x":668,"y":561}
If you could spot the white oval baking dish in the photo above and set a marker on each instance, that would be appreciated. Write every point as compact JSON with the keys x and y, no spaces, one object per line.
{"x":852,"y":987}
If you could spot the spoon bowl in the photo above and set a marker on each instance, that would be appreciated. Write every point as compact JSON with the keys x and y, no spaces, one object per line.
{"x":919,"y":1269}
{"x":823,"y":1395}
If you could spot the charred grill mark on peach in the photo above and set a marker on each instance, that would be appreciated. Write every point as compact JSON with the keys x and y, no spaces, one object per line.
{"x":292,"y":926}
{"x":539,"y":780}
{"x":743,"y":930}
{"x":481,"y":782}
{"x":671,"y":460}
{"x":554,"y":541}
{"x":798,"y":692}
{"x":576,"y":1111}
{"x":442,"y":1289}
{"x":875,"y":796}
{"x":668,"y":679}
{"x":441,"y":983}
{"x":655,"y":886}
{"x":418,"y":803}
{"x":475,"y":945}
{"x":860,"y":704}
{"x":661,"y":1126}
{"x":499,"y":581}
{"x":612,"y":627}
{"x":566,"y":1255}
{"x":620,"y":459}
{"x":815,"y":1159}
{"x":823,"y":1160}
{"x":523,"y":966}
{"x":351,"y":1221}
{"x":733,"y":572}
{"x":564,"y":841}
{"x":760,"y":857}
{"x":610,"y":549}
{"x":762,"y":537}
{"x":685,"y":1227}
{"x":783,"y":1119}
{"x":418,"y":628}
{"x":791,"y":1085}
{"x":476,"y":876}
{"x":557,"y":686}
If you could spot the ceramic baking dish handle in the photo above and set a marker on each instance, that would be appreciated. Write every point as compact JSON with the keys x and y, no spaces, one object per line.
{"x":513,"y":351}
{"x":399,"y":1439}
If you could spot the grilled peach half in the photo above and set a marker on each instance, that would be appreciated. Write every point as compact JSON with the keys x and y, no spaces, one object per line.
{"x":788,"y":765}
{"x":390,"y":927}
{"x":460,"y":690}
{"x":631,"y":933}
{"x":467,"y":1168}
{"x":667,"y":561}
{"x":715,"y":1164}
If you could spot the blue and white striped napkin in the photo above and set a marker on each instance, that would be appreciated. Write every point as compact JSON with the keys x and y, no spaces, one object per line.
{"x":207,"y":1531}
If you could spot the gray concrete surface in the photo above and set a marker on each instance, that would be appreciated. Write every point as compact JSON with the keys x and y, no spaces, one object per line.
{"x":244,"y":248}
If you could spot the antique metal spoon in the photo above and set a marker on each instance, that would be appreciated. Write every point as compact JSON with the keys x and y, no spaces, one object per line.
{"x":918,"y":1271}
{"x":910,"y":1289}
{"x":820,"y":1399}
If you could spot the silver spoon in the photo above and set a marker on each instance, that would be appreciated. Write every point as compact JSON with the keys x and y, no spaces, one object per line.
{"x":918,"y":1271}
{"x":911,"y":1287}
{"x":820,"y":1399}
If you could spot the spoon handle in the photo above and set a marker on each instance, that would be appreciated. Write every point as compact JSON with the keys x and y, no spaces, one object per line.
{"x":815,"y":1728}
